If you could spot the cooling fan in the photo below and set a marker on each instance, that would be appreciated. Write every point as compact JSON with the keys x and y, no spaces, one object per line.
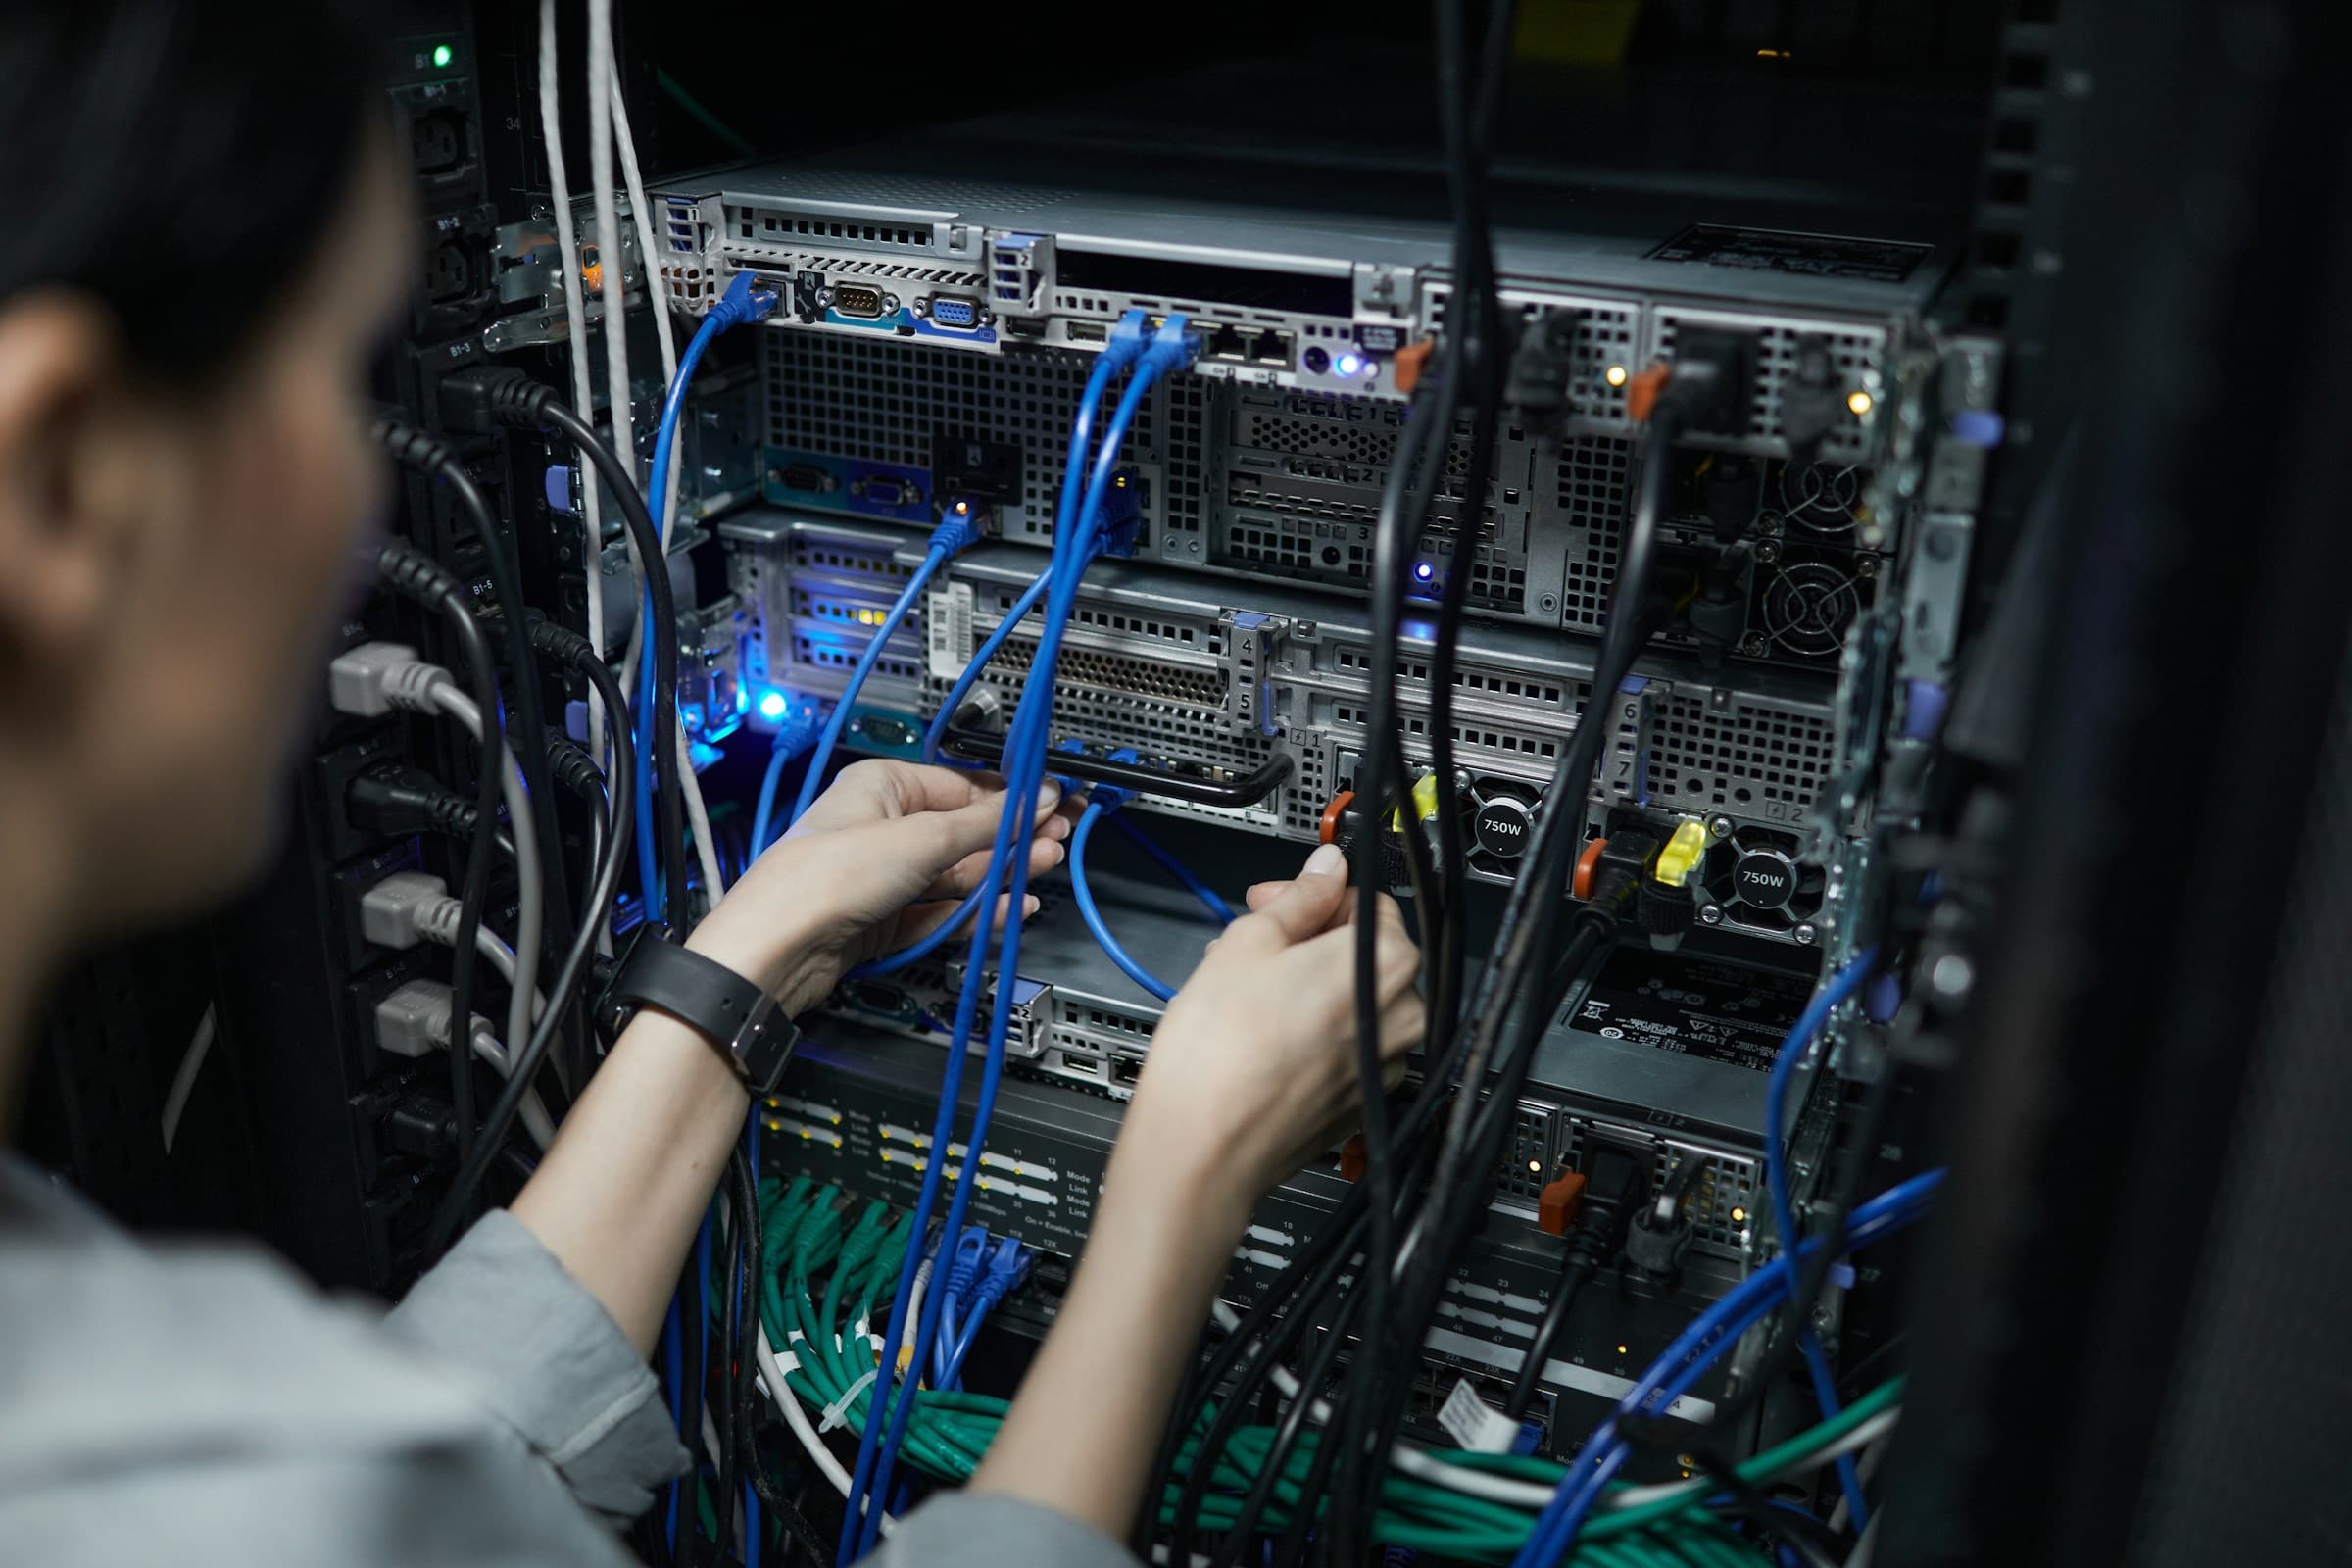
{"x":1755,"y":876}
{"x":1808,"y":605}
{"x":1823,"y":497}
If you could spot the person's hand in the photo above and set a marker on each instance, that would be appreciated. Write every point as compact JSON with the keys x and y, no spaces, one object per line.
{"x":880,"y":858}
{"x":1254,"y":1068}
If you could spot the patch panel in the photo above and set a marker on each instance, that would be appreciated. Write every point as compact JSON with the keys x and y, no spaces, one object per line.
{"x":1042,"y":1170}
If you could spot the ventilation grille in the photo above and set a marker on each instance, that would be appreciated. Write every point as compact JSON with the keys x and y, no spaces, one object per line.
{"x":1526,"y":1163}
{"x":1751,"y":758}
{"x":1149,"y":724}
{"x":900,"y":272}
{"x":1510,"y":743}
{"x":815,"y":555}
{"x":877,"y":399}
{"x":771,"y":225}
{"x":1414,"y":672}
{"x":1117,"y":673}
{"x":1304,"y":475}
{"x":1852,"y":354}
{"x":1111,"y":1022}
{"x":1308,"y":792}
{"x":1595,"y":476}
{"x":827,"y":653}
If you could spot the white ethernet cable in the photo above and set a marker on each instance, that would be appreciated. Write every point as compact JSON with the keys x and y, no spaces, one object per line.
{"x":604,"y":105}
{"x":690,"y":787}
{"x":532,"y":1111}
{"x":529,"y":875}
{"x":612,"y":273}
{"x":183,"y":1082}
{"x":657,"y":288}
{"x":771,"y":1372}
{"x":575,"y":327}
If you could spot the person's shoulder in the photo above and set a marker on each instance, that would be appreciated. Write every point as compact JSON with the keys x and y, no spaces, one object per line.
{"x":194,"y":1394}
{"x":116,"y":1349}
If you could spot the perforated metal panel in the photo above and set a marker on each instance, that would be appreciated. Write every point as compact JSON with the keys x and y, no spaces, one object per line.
{"x":844,"y":396}
{"x":1304,"y":475}
{"x":1748,"y":754}
{"x":1527,"y":1161}
{"x":1593,"y":486}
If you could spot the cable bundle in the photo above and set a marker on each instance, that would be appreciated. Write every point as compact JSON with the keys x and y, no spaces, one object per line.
{"x":1457,"y":1504}
{"x":1077,"y":523}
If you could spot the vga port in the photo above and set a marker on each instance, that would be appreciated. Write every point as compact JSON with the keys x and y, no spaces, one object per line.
{"x":858,"y":299}
{"x":951,"y":310}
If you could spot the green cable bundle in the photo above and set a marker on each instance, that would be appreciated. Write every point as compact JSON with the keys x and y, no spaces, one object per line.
{"x":808,"y":1232}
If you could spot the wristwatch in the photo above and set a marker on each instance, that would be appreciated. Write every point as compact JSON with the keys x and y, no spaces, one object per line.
{"x":707,"y":997}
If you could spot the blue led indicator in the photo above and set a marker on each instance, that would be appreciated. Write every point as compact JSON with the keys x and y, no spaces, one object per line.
{"x":1424,"y":571}
{"x":1349,"y":364}
{"x":771,"y":705}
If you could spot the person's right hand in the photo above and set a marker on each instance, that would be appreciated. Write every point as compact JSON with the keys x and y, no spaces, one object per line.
{"x":1254,"y":1068}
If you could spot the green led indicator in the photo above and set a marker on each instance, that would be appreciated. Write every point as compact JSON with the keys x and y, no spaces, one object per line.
{"x":443,"y":54}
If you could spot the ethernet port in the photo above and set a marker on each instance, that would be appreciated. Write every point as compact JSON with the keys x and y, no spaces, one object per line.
{"x":1225,"y":343}
{"x":1270,"y":347}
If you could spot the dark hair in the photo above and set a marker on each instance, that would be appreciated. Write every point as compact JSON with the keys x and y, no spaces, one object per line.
{"x":176,"y":159}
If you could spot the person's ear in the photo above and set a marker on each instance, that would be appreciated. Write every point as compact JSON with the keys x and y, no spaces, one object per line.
{"x":61,"y":506}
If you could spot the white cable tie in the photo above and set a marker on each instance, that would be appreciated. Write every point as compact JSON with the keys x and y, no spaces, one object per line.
{"x":837,"y":1413}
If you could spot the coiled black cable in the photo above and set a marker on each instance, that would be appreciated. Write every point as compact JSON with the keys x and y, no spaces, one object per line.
{"x":416,"y":576}
{"x":429,"y":455}
{"x":573,"y":649}
{"x":511,"y":397}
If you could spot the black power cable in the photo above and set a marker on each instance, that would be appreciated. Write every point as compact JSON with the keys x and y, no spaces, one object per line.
{"x":433,"y":458}
{"x":482,"y":398}
{"x":573,"y":649}
{"x":418,"y":577}
{"x":1508,"y":1014}
{"x":738,"y":1319}
{"x":1466,"y":111}
{"x":1615,"y":1182}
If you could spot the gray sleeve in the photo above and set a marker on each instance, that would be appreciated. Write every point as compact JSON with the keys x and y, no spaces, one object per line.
{"x":988,"y":1529}
{"x":501,"y":1314}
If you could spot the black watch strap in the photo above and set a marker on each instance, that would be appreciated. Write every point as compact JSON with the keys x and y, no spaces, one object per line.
{"x":709,"y":997}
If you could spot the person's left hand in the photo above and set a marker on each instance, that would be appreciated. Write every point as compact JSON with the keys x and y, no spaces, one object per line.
{"x":881,"y":858}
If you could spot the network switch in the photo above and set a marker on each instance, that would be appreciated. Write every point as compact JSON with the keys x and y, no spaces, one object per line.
{"x":857,"y":1116}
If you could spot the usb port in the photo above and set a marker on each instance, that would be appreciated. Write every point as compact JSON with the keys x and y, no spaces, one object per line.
{"x":1088,"y":332}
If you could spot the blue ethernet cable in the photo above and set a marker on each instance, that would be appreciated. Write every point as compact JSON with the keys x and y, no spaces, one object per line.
{"x":861,"y":1524}
{"x":956,"y":533}
{"x":971,"y":1251}
{"x":1009,"y":1266}
{"x":1209,"y":897}
{"x":1105,"y":801}
{"x":793,"y":738}
{"x":1116,"y":537}
{"x":742,"y":303}
{"x":673,"y":1362}
{"x":1801,"y":1035}
{"x":938,"y":730}
{"x":1170,"y":347}
{"x":1680,"y":1366}
{"x":747,"y":1299}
